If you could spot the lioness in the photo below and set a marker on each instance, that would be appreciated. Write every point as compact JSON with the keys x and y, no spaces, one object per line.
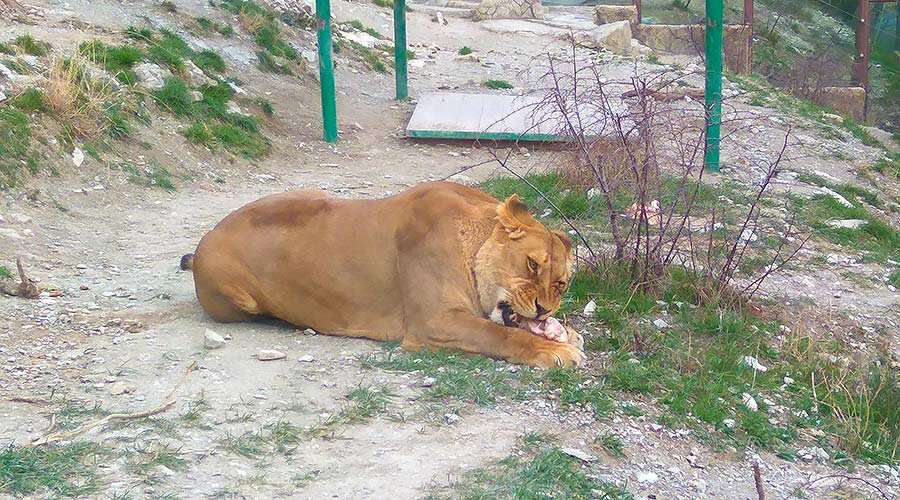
{"x":440,"y":265}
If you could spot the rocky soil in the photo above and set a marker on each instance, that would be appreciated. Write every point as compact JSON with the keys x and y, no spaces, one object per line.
{"x":118,"y":322}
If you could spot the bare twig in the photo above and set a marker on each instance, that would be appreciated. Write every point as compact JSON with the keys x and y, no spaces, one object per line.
{"x":167,"y":403}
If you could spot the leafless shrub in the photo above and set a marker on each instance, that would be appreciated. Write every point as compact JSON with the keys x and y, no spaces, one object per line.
{"x":638,"y":145}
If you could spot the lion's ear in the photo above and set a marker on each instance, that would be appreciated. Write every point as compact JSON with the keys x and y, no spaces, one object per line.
{"x":514,"y":216}
{"x":564,"y":238}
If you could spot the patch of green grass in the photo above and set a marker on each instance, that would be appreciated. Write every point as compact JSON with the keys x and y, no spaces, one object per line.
{"x":847,"y":190}
{"x":877,"y":238}
{"x":894,"y":278}
{"x":142,"y":34}
{"x":465,"y":50}
{"x":209,"y":61}
{"x":5,"y":273}
{"x":498,"y":84}
{"x":889,"y":165}
{"x":535,"y":472}
{"x":30,"y":100}
{"x":175,"y":95}
{"x":477,"y":379}
{"x":117,"y":59}
{"x":612,"y":443}
{"x":145,"y":458}
{"x":160,"y":177}
{"x":271,"y":65}
{"x":6,"y":48}
{"x":576,"y":389}
{"x":226,"y":30}
{"x":171,"y":51}
{"x":359,"y":26}
{"x":29,"y":45}
{"x":248,"y":444}
{"x":266,"y":106}
{"x":15,"y":146}
{"x":67,"y":470}
{"x":265,"y":27}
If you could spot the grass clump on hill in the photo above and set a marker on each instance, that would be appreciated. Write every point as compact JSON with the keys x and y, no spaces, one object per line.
{"x":211,"y":122}
{"x":29,"y":45}
{"x":265,"y":27}
{"x":16,"y":152}
{"x":498,"y":84}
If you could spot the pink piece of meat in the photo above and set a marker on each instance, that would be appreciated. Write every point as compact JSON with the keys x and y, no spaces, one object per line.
{"x":550,"y":329}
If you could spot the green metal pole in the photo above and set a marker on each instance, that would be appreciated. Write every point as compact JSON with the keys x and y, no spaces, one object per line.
{"x":400,"y":49}
{"x":326,"y":70}
{"x":714,"y":16}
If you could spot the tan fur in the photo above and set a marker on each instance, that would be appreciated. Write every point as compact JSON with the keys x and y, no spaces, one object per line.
{"x":426,"y":267}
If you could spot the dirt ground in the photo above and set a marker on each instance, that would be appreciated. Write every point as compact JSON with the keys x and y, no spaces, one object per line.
{"x":127,"y":316}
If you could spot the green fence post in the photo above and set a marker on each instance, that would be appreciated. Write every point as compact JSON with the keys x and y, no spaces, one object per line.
{"x":326,"y":70}
{"x":400,"y":49}
{"x":713,"y":82}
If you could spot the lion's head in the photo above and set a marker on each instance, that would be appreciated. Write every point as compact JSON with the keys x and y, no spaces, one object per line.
{"x":527,"y":267}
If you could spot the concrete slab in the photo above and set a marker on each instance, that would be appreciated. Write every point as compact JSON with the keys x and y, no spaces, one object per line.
{"x":499,"y":117}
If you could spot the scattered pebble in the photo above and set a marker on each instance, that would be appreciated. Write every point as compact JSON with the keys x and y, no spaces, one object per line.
{"x":212,"y":340}
{"x":579,"y":454}
{"x":270,"y":355}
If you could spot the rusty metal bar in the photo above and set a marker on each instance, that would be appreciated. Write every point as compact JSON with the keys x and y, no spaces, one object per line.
{"x":637,"y":7}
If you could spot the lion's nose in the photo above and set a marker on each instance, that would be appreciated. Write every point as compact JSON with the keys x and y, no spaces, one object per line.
{"x":540,"y":309}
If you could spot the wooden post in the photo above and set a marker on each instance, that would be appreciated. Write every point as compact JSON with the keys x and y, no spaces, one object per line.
{"x":637,"y":7}
{"x":861,"y":56}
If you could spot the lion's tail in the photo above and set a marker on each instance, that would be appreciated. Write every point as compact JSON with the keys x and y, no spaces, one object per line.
{"x":187,"y":261}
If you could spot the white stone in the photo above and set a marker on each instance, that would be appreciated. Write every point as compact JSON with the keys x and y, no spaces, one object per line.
{"x":749,"y":402}
{"x":579,"y":454}
{"x":614,"y":37}
{"x":660,"y":323}
{"x":270,"y":355}
{"x":729,"y":423}
{"x":151,"y":76}
{"x":451,"y":418}
{"x":788,"y":380}
{"x":212,"y":340}
{"x":837,"y":196}
{"x":428,"y":381}
{"x":754,"y":363}
{"x":2,"y":96}
{"x":847,"y":223}
{"x":590,"y":308}
{"x":6,"y":72}
{"x":306,"y":358}
{"x":77,"y":156}
{"x":647,"y":477}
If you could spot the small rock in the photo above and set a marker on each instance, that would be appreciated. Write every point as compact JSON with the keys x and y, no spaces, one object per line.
{"x":749,"y":402}
{"x":77,"y":156}
{"x":451,"y":418}
{"x":754,"y":363}
{"x":788,"y":380}
{"x":428,"y":381}
{"x":2,"y":96}
{"x":212,"y":340}
{"x":196,"y":95}
{"x":120,"y":388}
{"x":306,"y":358}
{"x":647,"y":477}
{"x":846,"y":223}
{"x":660,"y":323}
{"x":439,"y":18}
{"x":234,"y":108}
{"x":590,"y":308}
{"x":833,"y":117}
{"x":270,"y":355}
{"x":728,"y":422}
{"x":471,"y":57}
{"x":579,"y":454}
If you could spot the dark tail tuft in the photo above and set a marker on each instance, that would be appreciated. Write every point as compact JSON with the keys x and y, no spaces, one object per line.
{"x":187,"y":261}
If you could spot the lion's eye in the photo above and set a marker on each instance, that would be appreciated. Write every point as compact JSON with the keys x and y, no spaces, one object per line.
{"x":532,"y":264}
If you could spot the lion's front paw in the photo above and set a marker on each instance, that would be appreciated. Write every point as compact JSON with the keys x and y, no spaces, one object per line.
{"x":575,"y":338}
{"x":558,"y":354}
